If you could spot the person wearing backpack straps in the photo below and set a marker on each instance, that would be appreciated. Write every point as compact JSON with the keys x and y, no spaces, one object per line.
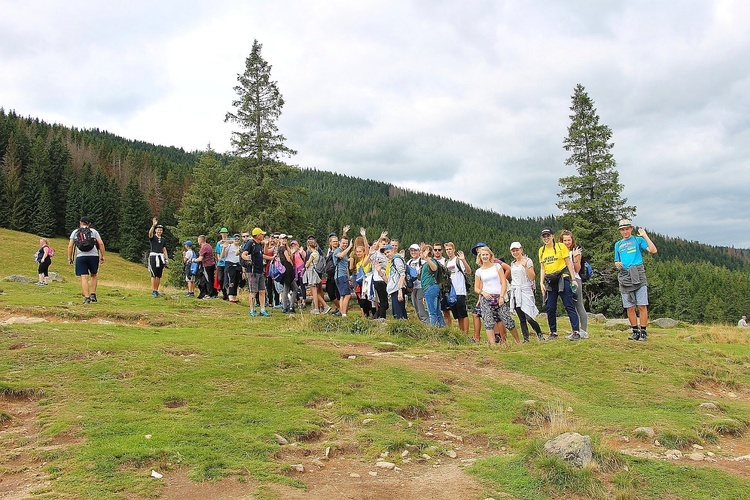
{"x":555,"y":275}
{"x":417,"y":292}
{"x":253,"y":253}
{"x":396,"y":284}
{"x":313,"y":270}
{"x":458,"y":267}
{"x":43,"y":257}
{"x":89,"y":254}
{"x":428,"y":278}
{"x":567,"y":239}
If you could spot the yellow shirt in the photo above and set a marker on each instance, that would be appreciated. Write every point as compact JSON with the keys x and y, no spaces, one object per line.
{"x":553,"y":259}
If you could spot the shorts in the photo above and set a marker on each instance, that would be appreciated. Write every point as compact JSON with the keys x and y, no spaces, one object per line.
{"x":156,"y":265}
{"x":640,"y":296}
{"x":88,"y":264}
{"x":492,"y":314}
{"x":342,"y":284}
{"x":256,"y":282}
{"x":459,"y":308}
{"x":190,"y":279}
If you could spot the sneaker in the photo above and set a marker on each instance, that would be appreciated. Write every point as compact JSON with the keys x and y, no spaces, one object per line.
{"x":635,"y":335}
{"x":87,"y":300}
{"x":252,"y":313}
{"x":336,"y":313}
{"x":525,"y":341}
{"x":314,"y":311}
{"x":155,"y":294}
{"x":93,"y":297}
{"x":541,"y":337}
{"x":327,"y":310}
{"x":552,"y":336}
{"x":642,"y":337}
{"x":189,"y":294}
{"x":277,"y":306}
{"x":575,"y":336}
{"x":584,"y":334}
{"x":38,"y":283}
{"x":265,"y":314}
{"x":570,"y":337}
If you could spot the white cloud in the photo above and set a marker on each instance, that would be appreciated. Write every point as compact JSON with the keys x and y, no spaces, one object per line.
{"x":468,"y":100}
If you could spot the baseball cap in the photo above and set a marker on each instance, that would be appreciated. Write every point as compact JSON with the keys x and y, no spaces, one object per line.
{"x":257,"y":231}
{"x":85,"y":220}
{"x":282,"y":236}
{"x":188,"y":243}
{"x":414,"y":246}
{"x":387,"y":247}
{"x":547,"y":230}
{"x":515,"y":244}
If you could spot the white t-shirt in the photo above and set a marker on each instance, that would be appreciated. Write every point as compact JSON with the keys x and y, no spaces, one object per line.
{"x":490,"y":279}
{"x":379,"y":261}
{"x":518,"y":274}
{"x":457,"y":269}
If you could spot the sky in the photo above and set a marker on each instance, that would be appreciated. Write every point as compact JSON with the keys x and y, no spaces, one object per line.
{"x":466,"y":99}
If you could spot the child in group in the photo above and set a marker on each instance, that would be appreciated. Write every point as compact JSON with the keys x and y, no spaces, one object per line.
{"x":190,"y":267}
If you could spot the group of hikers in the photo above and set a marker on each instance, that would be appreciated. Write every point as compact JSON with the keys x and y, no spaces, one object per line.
{"x":280,"y":273}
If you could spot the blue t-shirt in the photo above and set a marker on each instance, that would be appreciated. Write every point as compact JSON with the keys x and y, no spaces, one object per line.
{"x":629,"y":251}
{"x":341,"y":263}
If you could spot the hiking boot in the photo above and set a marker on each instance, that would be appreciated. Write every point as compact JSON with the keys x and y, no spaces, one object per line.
{"x":635,"y":335}
{"x":642,"y":337}
{"x":93,"y":297}
{"x":552,"y":336}
{"x":265,"y":314}
{"x":575,"y":336}
{"x":87,"y":300}
{"x":541,"y":337}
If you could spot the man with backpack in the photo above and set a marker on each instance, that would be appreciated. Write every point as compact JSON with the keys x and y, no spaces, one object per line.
{"x":89,"y":249}
{"x":253,"y":254}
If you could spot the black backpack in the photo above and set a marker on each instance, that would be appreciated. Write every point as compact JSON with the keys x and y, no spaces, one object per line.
{"x":84,"y":239}
{"x":444,"y":279}
{"x":330,"y":267}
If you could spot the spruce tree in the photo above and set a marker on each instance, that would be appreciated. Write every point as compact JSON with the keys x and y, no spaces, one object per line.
{"x":135,"y":220}
{"x":43,"y":215}
{"x":258,"y":107}
{"x":591,"y":200}
{"x":15,"y":215}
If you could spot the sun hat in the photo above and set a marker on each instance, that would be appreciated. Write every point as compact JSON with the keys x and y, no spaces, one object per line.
{"x":515,"y":244}
{"x":624,"y":223}
{"x":258,"y":231}
{"x":224,"y":230}
{"x":475,"y":248}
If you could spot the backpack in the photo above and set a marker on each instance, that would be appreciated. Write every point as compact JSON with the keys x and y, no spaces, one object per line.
{"x":50,"y":251}
{"x":84,"y":239}
{"x":329,"y":267}
{"x":320,"y":266}
{"x":411,"y":278}
{"x":586,"y":271}
{"x":444,"y":279}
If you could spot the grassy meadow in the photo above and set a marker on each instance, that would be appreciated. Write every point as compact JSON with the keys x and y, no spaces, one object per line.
{"x":133,"y":383}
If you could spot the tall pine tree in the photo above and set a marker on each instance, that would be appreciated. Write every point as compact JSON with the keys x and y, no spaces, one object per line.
{"x":256,"y":196}
{"x":591,"y":200}
{"x":135,"y":220}
{"x":15,"y":216}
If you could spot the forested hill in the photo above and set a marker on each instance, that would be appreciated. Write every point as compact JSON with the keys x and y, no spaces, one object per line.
{"x":55,"y":166}
{"x":335,"y":200}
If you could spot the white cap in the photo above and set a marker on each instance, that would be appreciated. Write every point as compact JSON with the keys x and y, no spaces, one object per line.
{"x":414,"y":246}
{"x":515,"y":244}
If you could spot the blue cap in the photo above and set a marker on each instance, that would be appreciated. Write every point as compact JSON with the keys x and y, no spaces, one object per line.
{"x":476,"y":247}
{"x":387,"y":247}
{"x":188,"y":243}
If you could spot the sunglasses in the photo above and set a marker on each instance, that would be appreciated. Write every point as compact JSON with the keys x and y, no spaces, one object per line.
{"x":438,"y":249}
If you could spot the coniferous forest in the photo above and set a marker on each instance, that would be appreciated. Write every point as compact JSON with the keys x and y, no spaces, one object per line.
{"x":51,"y":175}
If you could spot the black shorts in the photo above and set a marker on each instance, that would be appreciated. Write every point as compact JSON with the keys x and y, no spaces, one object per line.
{"x":459,"y":308}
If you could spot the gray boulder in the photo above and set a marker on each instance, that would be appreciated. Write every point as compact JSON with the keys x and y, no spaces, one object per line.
{"x":571,"y":447}
{"x":17,"y":278}
{"x":617,"y":324}
{"x":596,"y":318}
{"x":665,"y":322}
